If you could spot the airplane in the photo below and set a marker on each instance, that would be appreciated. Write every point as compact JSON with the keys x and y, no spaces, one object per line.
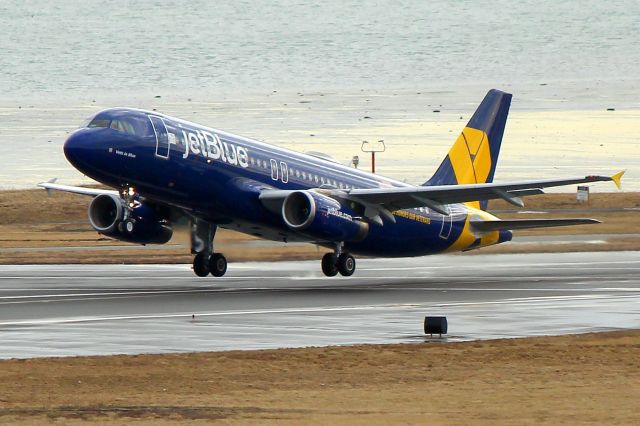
{"x":162,"y":168}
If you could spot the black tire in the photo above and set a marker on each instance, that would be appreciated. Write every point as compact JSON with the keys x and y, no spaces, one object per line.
{"x":329,"y":265}
{"x":217,"y":264}
{"x":346,"y":264}
{"x":201,"y":265}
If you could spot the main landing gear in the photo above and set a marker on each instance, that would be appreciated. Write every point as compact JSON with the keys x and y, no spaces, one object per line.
{"x":340,"y":261}
{"x":205,"y":264}
{"x":206,"y":261}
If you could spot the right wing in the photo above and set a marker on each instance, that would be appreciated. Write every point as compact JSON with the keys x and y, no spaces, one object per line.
{"x":52,"y":186}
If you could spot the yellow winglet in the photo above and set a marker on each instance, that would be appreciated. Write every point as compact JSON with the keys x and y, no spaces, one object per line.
{"x":616,"y":179}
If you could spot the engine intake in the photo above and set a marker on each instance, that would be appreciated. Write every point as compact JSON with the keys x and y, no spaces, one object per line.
{"x":105,"y":211}
{"x":321,"y":218}
{"x":299,"y":210}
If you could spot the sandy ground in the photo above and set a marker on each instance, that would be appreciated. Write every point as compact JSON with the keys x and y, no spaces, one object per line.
{"x":583,"y":379}
{"x":31,"y":219}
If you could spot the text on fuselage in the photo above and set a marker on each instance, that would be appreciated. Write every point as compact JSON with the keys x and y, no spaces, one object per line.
{"x":209,"y":145}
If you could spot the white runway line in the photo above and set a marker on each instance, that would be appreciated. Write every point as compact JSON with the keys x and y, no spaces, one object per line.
{"x":188,"y":315}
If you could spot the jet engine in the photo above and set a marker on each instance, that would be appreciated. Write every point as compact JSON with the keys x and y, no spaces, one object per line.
{"x":142,"y":225}
{"x":321,"y":218}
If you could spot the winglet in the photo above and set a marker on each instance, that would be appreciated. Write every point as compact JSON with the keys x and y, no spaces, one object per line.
{"x":616,"y":179}
{"x":49,"y":191}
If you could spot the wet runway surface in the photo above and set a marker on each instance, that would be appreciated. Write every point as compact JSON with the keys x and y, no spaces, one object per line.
{"x":61,"y":310}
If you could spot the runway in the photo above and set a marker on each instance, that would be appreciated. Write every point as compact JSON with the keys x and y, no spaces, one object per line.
{"x":65,"y":310}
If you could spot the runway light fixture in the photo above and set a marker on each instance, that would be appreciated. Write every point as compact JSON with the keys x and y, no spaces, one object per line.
{"x":373,"y":148}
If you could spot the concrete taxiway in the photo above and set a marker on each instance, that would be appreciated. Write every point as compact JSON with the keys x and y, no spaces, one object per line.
{"x":111,"y":309}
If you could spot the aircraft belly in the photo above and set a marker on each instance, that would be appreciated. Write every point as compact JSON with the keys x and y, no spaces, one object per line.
{"x":409,"y":237}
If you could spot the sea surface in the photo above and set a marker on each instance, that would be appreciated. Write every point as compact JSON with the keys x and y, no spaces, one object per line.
{"x":323,"y":76}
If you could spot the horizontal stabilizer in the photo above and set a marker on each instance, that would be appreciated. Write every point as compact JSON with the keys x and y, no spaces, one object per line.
{"x":510,"y":225}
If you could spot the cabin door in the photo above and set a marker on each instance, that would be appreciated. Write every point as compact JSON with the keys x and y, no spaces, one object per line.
{"x":162,"y":137}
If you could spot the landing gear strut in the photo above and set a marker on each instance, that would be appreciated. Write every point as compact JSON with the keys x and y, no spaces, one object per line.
{"x":130,"y":197}
{"x":340,"y":261}
{"x":206,"y":261}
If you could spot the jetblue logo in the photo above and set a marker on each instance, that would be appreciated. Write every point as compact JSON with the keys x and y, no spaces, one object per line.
{"x":210,"y":146}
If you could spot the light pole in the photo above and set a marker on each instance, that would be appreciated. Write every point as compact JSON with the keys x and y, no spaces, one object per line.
{"x":367,"y":147}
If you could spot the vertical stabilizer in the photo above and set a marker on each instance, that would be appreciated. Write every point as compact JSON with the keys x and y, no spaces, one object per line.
{"x":474,"y":155}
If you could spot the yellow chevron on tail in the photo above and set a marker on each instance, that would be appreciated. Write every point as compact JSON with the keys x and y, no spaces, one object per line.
{"x":470,"y":157}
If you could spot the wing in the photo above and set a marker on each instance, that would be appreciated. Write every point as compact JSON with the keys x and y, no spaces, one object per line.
{"x":173,"y":213}
{"x":52,"y":186}
{"x":437,"y":197}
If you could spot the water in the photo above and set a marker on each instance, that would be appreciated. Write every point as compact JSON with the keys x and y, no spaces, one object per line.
{"x":284,"y":70}
{"x":92,"y":46}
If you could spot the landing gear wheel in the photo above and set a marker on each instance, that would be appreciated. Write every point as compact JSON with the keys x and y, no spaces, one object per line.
{"x":330,"y":265}
{"x":346,"y":264}
{"x":217,"y":264}
{"x":201,"y":264}
{"x":128,"y":226}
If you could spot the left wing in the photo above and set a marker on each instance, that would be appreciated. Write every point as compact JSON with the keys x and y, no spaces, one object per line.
{"x":437,"y":197}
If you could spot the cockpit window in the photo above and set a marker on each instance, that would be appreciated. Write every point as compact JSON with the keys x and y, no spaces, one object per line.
{"x":123,"y":126}
{"x":99,"y":122}
{"x":127,"y":122}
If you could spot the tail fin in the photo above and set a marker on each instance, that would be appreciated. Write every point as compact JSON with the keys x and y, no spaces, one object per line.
{"x":474,"y":155}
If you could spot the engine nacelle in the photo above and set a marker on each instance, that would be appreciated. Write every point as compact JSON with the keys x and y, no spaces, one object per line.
{"x":321,"y":217}
{"x":142,"y":226}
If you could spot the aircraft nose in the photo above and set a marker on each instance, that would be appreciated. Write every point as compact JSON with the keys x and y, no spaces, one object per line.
{"x":75,"y":144}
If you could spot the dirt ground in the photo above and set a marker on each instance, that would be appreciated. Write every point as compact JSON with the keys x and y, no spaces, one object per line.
{"x":31,"y":219}
{"x":579,"y":379}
